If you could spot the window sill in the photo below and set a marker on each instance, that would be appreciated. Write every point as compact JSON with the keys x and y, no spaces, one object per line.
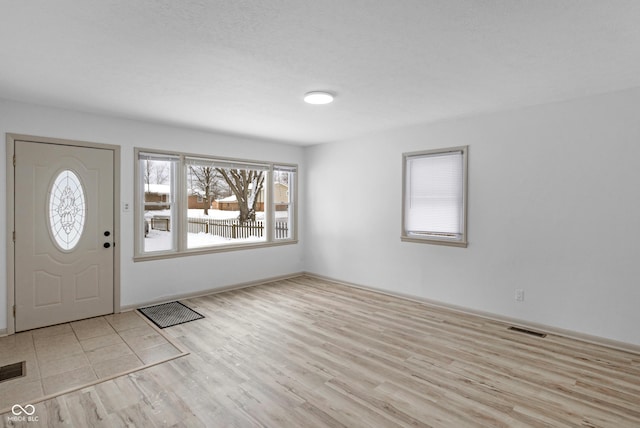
{"x":210,"y":250}
{"x":462,"y":244}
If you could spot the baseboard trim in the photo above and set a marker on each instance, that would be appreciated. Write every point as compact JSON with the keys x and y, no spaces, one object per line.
{"x":595,"y":340}
{"x":210,"y":291}
{"x":3,"y":332}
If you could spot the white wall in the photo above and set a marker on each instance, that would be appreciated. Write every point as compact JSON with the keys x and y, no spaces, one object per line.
{"x":146,"y":281}
{"x":554,"y":209}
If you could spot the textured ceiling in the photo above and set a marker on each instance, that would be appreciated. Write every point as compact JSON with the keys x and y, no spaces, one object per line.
{"x":242,"y":66}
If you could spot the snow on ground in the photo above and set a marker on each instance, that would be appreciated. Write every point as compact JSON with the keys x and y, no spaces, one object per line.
{"x":198,"y":240}
{"x":159,"y":240}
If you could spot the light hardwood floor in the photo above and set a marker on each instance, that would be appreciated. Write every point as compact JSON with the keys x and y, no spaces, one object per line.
{"x":309,"y":353}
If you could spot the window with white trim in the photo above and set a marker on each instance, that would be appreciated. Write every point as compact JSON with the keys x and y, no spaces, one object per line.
{"x":193,"y":204}
{"x":158,"y":182}
{"x":435,"y":196}
{"x":283,"y":206}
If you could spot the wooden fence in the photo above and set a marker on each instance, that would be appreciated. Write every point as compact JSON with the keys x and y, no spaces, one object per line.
{"x":232,"y":229}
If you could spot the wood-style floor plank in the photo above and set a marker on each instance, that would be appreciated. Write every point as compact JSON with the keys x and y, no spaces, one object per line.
{"x":310,"y":353}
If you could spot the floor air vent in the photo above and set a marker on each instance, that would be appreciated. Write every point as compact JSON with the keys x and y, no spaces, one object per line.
{"x":524,"y":330}
{"x":12,"y":371}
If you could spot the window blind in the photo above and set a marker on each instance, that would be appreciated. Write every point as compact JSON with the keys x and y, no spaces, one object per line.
{"x":217,"y":163}
{"x":158,"y":157}
{"x":434,"y":204}
{"x":284,"y":168}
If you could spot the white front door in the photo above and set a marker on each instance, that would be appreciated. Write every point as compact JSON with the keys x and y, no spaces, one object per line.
{"x":64,"y":258}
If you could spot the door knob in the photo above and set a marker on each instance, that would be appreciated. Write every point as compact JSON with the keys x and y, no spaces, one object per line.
{"x":106,"y":245}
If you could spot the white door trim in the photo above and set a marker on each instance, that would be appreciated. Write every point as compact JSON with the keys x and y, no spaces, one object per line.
{"x":10,"y":226}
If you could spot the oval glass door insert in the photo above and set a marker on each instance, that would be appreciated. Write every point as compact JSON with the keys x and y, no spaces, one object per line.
{"x":66,"y":210}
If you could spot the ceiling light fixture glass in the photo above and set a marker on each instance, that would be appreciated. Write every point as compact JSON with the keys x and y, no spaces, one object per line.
{"x":318,"y":97}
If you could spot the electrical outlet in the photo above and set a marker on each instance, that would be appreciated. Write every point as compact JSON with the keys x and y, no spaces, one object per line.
{"x":519,"y":295}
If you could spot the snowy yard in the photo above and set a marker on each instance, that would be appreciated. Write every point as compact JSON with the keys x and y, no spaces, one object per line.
{"x":215,"y":214}
{"x":159,"y":240}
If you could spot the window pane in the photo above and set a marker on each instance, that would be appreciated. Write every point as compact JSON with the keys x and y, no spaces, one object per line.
{"x":233,"y":197}
{"x":434,"y":195}
{"x":215,"y":202}
{"x":283,"y":182}
{"x":158,"y":181}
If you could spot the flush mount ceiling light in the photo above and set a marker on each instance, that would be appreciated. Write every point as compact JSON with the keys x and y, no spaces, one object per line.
{"x":318,"y":97}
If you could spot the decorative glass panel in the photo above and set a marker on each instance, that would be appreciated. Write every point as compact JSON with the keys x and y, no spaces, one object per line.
{"x":67,"y":210}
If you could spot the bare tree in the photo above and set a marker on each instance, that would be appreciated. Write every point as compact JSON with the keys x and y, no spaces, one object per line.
{"x":281,"y":177}
{"x":147,"y":173}
{"x":206,"y":180}
{"x":246,"y":185}
{"x":160,"y":171}
{"x":155,"y":173}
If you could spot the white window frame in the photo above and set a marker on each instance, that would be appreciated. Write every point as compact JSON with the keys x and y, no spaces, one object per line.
{"x":180,"y":196}
{"x":139,"y":195}
{"x":291,"y":205}
{"x":434,"y":237}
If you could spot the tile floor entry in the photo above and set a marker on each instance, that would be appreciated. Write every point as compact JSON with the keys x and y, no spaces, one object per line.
{"x":73,"y":355}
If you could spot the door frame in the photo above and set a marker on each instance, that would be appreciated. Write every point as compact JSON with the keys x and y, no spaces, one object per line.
{"x":10,"y":226}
